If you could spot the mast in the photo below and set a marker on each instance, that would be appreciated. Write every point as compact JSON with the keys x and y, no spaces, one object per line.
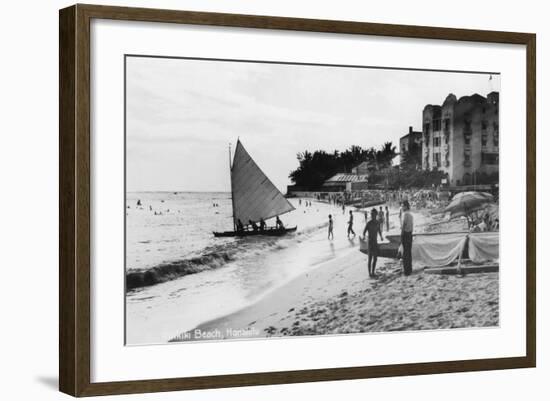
{"x":232,"y":200}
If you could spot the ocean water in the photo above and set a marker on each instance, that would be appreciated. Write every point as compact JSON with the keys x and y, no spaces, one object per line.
{"x":236,"y":273}
{"x":178,"y":226}
{"x":173,"y":226}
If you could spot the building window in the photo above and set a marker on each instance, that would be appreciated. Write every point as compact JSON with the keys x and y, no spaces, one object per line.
{"x":467,"y":138}
{"x":484,"y":140}
{"x":484,"y":125}
{"x":467,"y":157}
{"x":426,"y":133}
{"x":437,"y":159}
{"x":437,"y":125}
{"x":489,"y":158}
{"x":447,"y":124}
{"x":437,"y":141}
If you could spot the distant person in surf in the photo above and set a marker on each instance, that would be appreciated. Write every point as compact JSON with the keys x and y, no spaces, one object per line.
{"x":330,"y":227}
{"x":279,"y":224}
{"x":373,"y":228}
{"x":139,"y":202}
{"x":350,"y":224}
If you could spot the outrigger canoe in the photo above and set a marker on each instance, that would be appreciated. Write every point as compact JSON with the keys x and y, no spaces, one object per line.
{"x":254,"y":198}
{"x":274,"y":232}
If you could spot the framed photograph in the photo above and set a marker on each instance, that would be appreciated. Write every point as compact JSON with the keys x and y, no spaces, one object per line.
{"x":250,"y":200}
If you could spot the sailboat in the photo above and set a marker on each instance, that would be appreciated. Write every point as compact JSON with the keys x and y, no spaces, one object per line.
{"x":254,"y":198}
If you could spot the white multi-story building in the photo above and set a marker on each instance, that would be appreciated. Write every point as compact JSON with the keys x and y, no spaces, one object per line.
{"x":461,"y":138}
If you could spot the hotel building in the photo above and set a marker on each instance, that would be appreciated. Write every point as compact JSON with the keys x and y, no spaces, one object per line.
{"x":461,"y":138}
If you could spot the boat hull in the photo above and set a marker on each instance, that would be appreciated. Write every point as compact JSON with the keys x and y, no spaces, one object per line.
{"x":385,"y":249}
{"x":271,"y":232}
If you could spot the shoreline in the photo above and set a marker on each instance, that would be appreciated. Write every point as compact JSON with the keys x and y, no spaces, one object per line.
{"x":338,"y":297}
{"x":392,"y":302}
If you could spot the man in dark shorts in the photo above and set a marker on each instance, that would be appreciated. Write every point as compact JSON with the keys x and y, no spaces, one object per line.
{"x":373,"y":228}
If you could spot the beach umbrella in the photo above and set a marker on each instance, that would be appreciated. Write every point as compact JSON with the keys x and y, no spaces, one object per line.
{"x":465,"y":203}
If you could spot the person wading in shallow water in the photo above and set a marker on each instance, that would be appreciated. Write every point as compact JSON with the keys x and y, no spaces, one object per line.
{"x":373,"y":228}
{"x":330,"y":227}
{"x":350,"y":224}
{"x":407,"y":226}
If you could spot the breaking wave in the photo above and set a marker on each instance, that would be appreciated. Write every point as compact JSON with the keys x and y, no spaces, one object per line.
{"x":212,"y":258}
{"x":172,"y":270}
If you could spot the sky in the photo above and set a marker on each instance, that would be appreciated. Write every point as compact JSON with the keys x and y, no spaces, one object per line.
{"x":182,"y":114}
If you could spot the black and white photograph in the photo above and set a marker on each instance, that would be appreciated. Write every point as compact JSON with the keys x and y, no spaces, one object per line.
{"x":269,"y":199}
{"x":245,"y":200}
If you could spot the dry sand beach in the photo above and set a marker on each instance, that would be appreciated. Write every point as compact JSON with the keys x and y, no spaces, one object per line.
{"x":338,"y":297}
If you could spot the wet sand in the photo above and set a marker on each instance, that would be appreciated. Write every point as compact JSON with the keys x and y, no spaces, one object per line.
{"x":338,"y":297}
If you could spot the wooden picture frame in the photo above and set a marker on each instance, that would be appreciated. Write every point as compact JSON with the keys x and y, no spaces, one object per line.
{"x":74,"y":199}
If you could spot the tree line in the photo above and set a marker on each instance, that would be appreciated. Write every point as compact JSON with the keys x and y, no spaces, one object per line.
{"x":316,"y":167}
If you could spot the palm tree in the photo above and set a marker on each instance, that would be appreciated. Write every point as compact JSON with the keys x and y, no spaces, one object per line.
{"x":385,"y":155}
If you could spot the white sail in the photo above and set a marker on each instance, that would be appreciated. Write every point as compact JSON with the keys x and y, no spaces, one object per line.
{"x":254,"y":195}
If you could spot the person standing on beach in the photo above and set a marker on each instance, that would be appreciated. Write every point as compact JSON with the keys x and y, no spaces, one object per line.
{"x":330,"y":227}
{"x":387,"y":219}
{"x":407,"y":226}
{"x":373,"y":228}
{"x":350,"y":224}
{"x":381,"y":218}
